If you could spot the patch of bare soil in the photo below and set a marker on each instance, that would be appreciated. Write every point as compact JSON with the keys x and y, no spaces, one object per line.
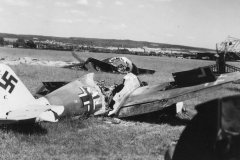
{"x":34,"y":61}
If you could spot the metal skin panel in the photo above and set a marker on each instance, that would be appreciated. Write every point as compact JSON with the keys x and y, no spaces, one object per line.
{"x":68,"y":97}
{"x":154,"y":93}
{"x":131,"y":82}
{"x":142,"y":100}
{"x":152,"y":98}
{"x":78,"y":97}
{"x":28,"y":112}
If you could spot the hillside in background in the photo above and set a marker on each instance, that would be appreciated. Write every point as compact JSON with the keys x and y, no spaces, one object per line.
{"x":106,"y":42}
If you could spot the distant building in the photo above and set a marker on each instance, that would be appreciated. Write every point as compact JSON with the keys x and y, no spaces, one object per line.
{"x":148,"y":50}
{"x":112,"y":48}
{"x":135,"y":49}
{"x":9,"y":46}
{"x":10,"y":39}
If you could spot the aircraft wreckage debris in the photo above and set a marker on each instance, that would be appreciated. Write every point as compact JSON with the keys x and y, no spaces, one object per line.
{"x":84,"y":96}
{"x":120,"y":65}
{"x":133,"y":97}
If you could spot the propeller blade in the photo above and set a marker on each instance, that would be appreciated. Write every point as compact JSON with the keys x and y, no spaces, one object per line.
{"x":78,"y":58}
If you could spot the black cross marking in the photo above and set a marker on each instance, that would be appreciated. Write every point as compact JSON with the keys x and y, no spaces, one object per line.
{"x":86,"y":98}
{"x":8,"y":82}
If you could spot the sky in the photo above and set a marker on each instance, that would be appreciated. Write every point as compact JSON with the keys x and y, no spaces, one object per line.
{"x":197,"y":23}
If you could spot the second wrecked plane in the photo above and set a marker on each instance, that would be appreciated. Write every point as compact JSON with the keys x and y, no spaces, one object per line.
{"x":120,"y":65}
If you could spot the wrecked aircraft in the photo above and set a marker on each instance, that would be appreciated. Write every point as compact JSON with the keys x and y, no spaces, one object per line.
{"x":121,"y":65}
{"x":18,"y":104}
{"x":132,"y":97}
{"x":84,"y":96}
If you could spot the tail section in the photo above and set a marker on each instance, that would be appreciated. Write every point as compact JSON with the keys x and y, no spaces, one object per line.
{"x":13,"y":93}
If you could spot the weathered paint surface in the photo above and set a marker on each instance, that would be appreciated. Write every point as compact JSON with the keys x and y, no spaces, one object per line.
{"x":17,"y":103}
{"x":81,"y":96}
{"x":152,"y":98}
{"x":142,"y":100}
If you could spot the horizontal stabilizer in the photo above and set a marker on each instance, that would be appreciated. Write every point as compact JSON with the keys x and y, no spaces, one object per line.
{"x":34,"y":111}
{"x":47,"y":116}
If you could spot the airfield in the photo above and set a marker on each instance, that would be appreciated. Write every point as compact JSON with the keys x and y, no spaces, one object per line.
{"x":143,"y":137}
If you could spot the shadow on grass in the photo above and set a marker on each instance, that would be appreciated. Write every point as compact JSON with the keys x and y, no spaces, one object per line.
{"x":166,"y":115}
{"x":24,"y":128}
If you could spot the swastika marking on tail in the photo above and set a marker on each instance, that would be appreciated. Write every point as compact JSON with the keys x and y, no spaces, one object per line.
{"x":8,"y":82}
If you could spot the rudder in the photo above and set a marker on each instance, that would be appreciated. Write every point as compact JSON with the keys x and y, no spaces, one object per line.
{"x":13,"y":93}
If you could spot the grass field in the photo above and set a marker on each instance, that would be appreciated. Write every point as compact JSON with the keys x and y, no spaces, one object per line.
{"x":145,"y":137}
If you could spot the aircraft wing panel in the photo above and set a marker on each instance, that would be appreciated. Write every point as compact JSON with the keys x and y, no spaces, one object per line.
{"x":154,"y":93}
{"x":138,"y":101}
{"x":32,"y":111}
{"x":147,"y":107}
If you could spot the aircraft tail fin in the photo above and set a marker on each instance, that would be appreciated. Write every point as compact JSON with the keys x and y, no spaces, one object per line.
{"x":13,"y":93}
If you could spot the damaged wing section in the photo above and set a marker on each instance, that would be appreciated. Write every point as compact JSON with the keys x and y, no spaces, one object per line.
{"x":156,"y":97}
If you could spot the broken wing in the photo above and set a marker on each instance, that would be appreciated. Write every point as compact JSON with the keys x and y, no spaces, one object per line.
{"x":152,"y":98}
